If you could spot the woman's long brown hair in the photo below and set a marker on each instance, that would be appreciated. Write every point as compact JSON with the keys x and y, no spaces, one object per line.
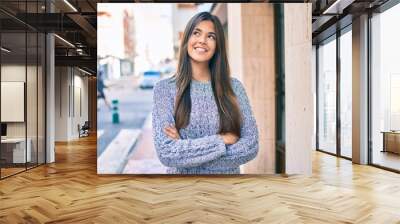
{"x":229,"y":114}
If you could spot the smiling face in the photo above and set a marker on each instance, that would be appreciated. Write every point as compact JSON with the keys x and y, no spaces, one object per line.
{"x":202,"y":42}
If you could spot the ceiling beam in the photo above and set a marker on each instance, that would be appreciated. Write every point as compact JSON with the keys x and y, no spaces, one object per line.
{"x":84,"y":24}
{"x":83,"y":61}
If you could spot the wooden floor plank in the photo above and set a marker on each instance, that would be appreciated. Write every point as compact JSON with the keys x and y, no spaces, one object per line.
{"x":70,"y":191}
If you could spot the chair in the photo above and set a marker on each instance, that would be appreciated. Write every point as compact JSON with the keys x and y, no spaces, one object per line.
{"x":84,"y":130}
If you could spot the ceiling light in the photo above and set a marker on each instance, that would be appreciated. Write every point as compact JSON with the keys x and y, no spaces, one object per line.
{"x":79,"y":51}
{"x":64,"y":40}
{"x":5,"y":50}
{"x":337,"y":7}
{"x":86,"y":72}
{"x":70,"y":5}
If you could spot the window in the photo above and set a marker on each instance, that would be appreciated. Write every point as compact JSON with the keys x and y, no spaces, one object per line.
{"x":385,"y":89}
{"x":346,"y":93}
{"x":327,"y":96}
{"x":22,"y":65}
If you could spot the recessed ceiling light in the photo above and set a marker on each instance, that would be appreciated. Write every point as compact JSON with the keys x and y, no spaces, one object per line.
{"x":337,"y":7}
{"x":64,"y":40}
{"x":70,"y":5}
{"x":5,"y":50}
{"x":86,"y":72}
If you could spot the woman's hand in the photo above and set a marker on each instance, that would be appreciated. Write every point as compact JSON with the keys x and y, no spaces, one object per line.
{"x":171,"y":132}
{"x":229,"y":138}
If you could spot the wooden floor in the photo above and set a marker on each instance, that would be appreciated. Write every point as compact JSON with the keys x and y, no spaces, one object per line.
{"x":10,"y":171}
{"x":387,"y":159}
{"x":70,"y":191}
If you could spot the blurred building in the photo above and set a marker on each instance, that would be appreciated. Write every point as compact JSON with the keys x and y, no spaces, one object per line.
{"x":118,"y":51}
{"x":251,"y":40}
{"x":129,"y":35}
{"x":181,"y":14}
{"x":221,"y":11}
{"x":153,"y":35}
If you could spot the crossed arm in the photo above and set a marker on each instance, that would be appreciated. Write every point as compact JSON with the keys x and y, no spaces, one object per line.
{"x":211,"y":151}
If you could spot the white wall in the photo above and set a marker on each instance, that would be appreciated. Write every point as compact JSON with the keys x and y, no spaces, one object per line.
{"x":14,"y":73}
{"x":107,"y":40}
{"x":13,"y":101}
{"x":33,"y":126}
{"x":180,"y":17}
{"x":70,"y":83}
{"x":61,"y":103}
{"x":80,"y":109}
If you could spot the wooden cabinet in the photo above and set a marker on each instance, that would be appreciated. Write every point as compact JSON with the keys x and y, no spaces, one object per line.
{"x":391,"y":142}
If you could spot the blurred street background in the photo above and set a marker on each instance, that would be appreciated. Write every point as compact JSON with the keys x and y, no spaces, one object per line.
{"x":137,"y":46}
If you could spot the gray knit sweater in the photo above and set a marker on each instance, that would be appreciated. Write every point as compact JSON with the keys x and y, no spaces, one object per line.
{"x":201,"y":150}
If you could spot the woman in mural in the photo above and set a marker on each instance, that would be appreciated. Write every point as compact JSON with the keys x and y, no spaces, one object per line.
{"x":202,"y":119}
